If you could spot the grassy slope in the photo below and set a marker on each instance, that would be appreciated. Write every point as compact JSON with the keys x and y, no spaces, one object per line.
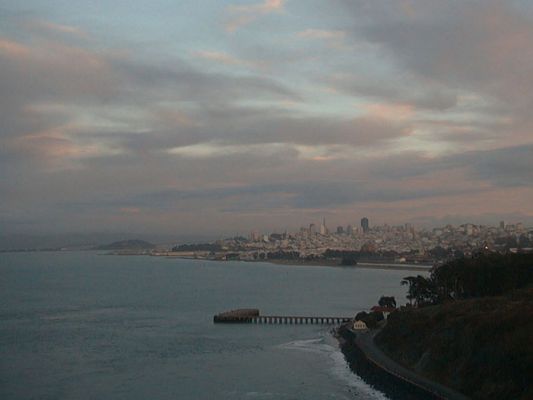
{"x":481,"y":347}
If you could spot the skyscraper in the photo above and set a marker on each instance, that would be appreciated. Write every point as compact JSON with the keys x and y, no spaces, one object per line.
{"x":349,"y":230}
{"x":323,"y":229}
{"x":365,"y":225}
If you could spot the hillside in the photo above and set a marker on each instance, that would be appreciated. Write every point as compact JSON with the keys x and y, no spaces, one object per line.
{"x":482,"y":347}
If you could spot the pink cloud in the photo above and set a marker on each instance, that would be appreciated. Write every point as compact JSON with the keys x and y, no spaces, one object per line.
{"x":52,"y":27}
{"x":392,"y":111}
{"x":13,"y":49}
{"x":244,"y":15}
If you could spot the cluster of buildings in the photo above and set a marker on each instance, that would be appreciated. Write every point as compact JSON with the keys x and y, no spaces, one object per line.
{"x":401,"y":243}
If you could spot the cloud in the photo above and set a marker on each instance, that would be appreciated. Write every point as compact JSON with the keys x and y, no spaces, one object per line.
{"x":422,"y":95}
{"x":219,"y":57}
{"x":482,"y":47}
{"x":165,"y":137}
{"x":13,"y":49}
{"x":225,"y":59}
{"x":334,"y":38}
{"x":62,"y":101}
{"x":48,"y":27}
{"x":242,"y":15}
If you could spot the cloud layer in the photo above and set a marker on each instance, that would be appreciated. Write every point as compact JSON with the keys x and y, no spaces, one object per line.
{"x":268,"y":115}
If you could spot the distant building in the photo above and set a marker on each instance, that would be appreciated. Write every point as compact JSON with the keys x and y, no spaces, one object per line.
{"x":502,"y":224}
{"x":349,"y":230}
{"x":365,"y":225}
{"x":359,"y":326}
{"x":385,"y":310}
{"x":312,"y":228}
{"x":323,"y":228}
{"x":255,"y":236}
{"x":340,"y":230}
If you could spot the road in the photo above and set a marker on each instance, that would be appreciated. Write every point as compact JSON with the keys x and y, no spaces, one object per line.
{"x":365,"y":342}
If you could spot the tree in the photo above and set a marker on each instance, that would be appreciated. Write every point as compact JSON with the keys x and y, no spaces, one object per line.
{"x":361,"y":316}
{"x":421,"y":290}
{"x":387,"y":301}
{"x":483,"y":275}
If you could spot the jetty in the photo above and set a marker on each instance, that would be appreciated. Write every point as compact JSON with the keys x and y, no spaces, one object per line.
{"x":252,"y":316}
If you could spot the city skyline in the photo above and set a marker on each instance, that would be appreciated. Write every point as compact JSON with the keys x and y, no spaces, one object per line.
{"x":168,"y":117}
{"x":347,"y":228}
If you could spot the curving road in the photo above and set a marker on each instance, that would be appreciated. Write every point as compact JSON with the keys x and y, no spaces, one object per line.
{"x":365,"y":342}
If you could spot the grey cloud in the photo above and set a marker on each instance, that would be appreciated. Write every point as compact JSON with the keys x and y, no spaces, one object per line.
{"x":504,"y":167}
{"x":180,"y":80}
{"x":248,"y":183}
{"x":140,"y":98}
{"x":392,"y":90}
{"x":310,"y":194}
{"x":482,"y":46}
{"x":229,"y":125}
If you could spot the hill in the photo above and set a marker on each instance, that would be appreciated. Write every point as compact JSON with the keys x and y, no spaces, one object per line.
{"x":472,"y":328}
{"x":481,"y":347}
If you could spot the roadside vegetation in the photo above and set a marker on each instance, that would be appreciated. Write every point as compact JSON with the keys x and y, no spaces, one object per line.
{"x":470,"y":326}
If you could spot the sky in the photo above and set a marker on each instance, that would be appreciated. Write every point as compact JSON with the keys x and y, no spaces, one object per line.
{"x":216,"y":117}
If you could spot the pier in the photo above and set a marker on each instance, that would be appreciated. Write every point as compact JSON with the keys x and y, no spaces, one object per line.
{"x":252,"y":316}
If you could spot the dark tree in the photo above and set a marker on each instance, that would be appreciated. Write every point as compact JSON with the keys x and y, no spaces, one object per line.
{"x":421,"y":290}
{"x":479,"y":276}
{"x":361,"y":316}
{"x":387,"y":301}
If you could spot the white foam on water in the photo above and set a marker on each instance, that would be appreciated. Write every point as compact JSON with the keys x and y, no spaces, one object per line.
{"x":339,"y":366}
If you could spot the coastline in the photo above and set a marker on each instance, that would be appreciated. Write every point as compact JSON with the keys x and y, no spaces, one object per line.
{"x":366,"y":360}
{"x":365,"y":265}
{"x":322,"y":263}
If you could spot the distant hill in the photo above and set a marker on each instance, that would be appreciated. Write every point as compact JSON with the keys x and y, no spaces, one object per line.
{"x":135,"y":244}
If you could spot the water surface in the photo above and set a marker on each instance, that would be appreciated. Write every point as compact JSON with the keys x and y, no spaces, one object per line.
{"x":90,"y":326}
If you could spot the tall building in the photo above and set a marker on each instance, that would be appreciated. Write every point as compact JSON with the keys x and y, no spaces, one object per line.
{"x":323,"y":229}
{"x":340,"y":230}
{"x":365,"y":225}
{"x":349,"y":230}
{"x":255,"y":236}
{"x":502,"y":224}
{"x":312,"y":229}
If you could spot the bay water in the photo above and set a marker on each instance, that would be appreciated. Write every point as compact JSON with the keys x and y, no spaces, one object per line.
{"x":85,"y":325}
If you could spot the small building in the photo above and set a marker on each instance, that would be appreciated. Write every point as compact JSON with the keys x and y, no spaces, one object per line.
{"x":359,"y":326}
{"x":384,"y":310}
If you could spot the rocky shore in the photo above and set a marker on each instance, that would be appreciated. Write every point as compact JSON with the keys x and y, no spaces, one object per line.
{"x":374,"y":374}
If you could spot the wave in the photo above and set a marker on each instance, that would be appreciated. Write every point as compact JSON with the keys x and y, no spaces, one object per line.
{"x":338,"y":366}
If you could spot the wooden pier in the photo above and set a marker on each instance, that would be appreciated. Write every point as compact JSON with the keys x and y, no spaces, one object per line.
{"x":252,"y":316}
